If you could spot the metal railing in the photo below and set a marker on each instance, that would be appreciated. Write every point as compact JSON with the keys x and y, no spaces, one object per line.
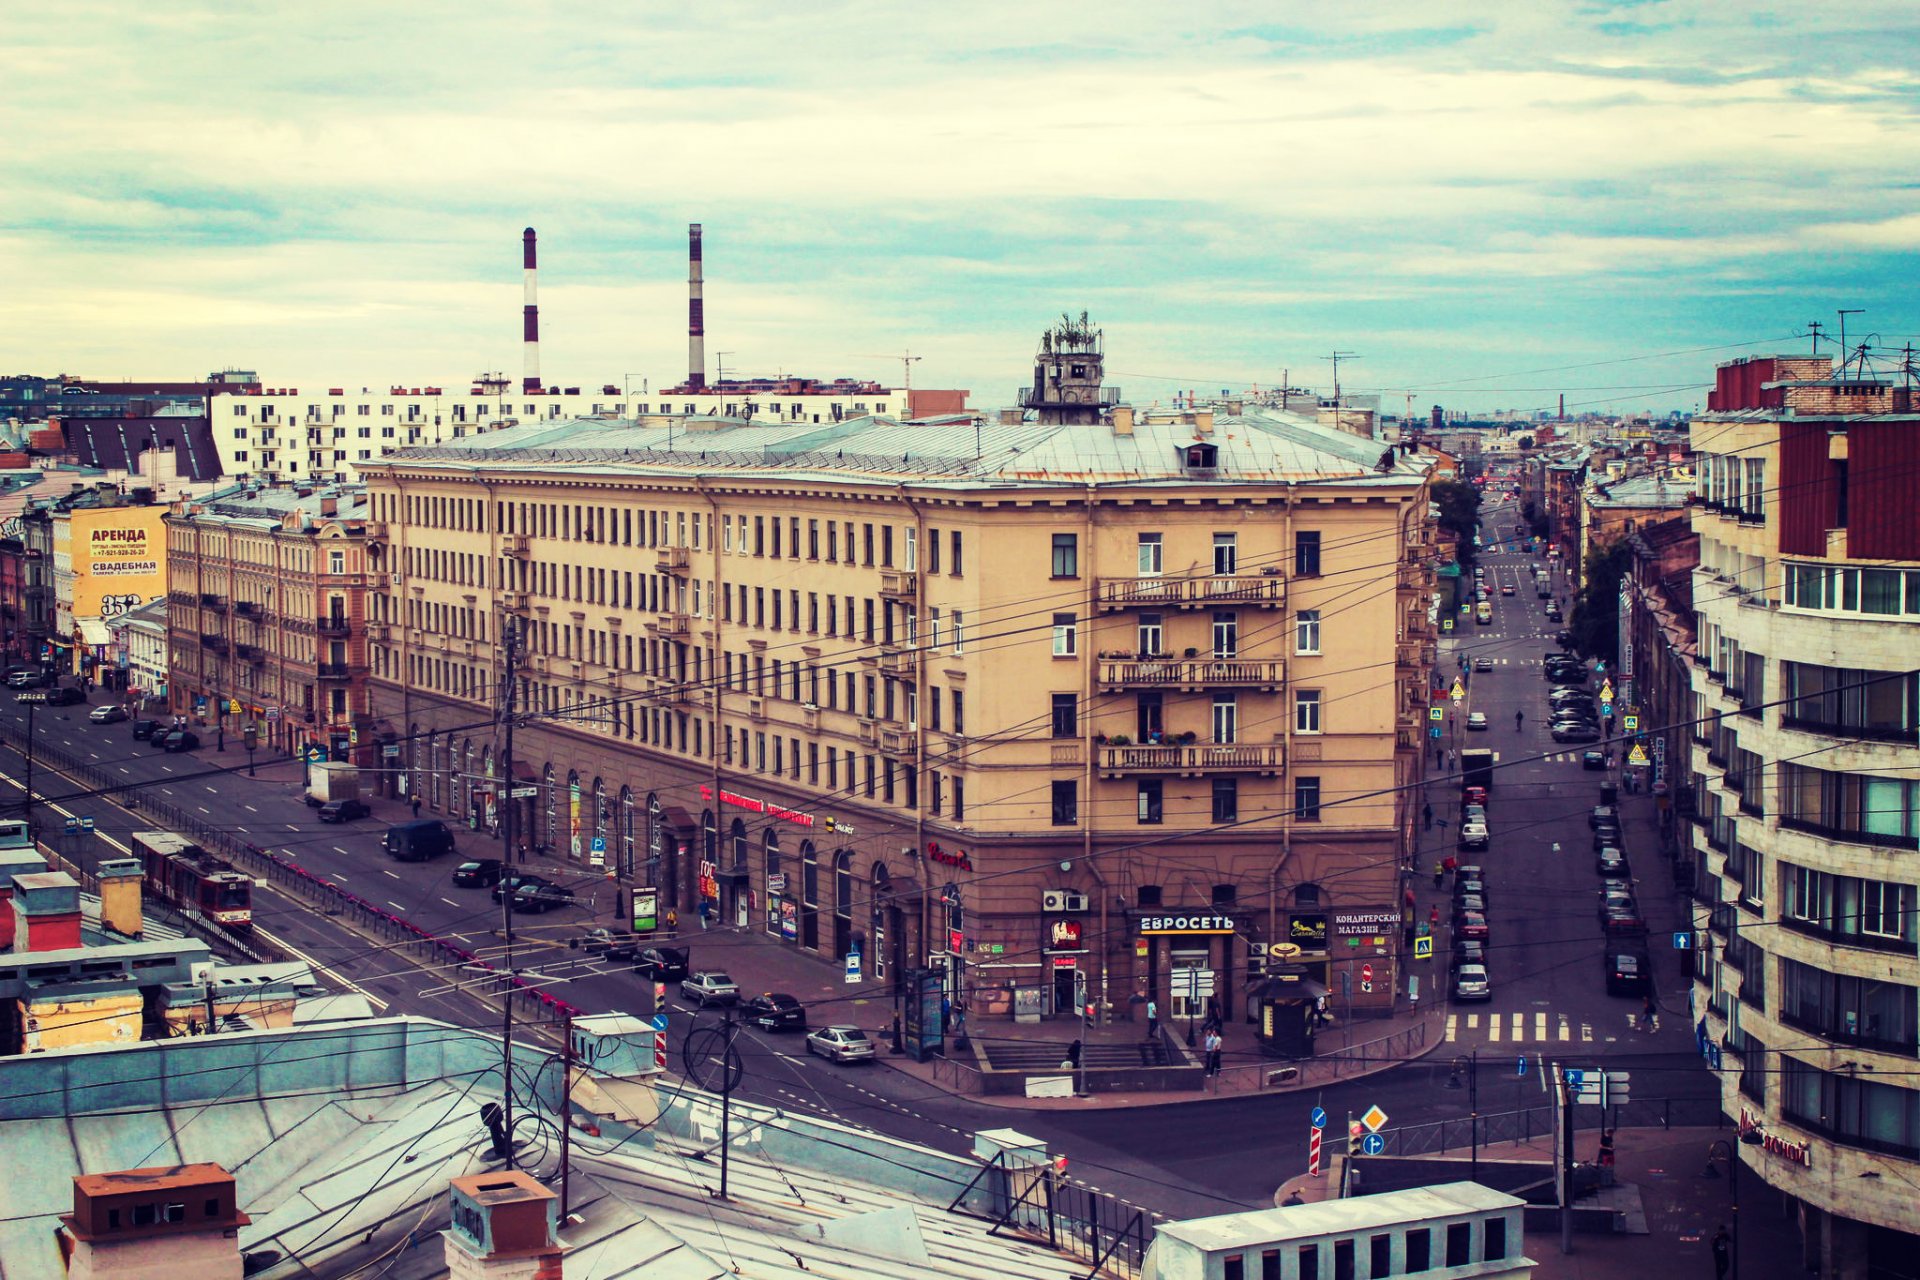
{"x":1345,"y":1063}
{"x":1438,"y":1137}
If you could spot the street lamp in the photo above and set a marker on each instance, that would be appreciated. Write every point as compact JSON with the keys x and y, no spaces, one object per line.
{"x":1718,"y":1150}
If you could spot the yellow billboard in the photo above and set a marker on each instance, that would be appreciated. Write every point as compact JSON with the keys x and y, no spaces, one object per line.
{"x":119,"y":557}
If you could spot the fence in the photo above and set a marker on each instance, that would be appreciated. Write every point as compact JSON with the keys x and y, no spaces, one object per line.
{"x":1438,"y":1137}
{"x":1345,"y":1063}
{"x":461,"y":968}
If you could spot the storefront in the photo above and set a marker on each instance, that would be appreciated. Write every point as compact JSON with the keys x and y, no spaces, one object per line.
{"x":1067,"y":961}
{"x":1188,"y":959}
{"x":1362,"y":965}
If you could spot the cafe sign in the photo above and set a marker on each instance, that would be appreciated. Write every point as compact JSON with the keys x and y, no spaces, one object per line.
{"x":1065,"y":935}
{"x":1308,"y":931}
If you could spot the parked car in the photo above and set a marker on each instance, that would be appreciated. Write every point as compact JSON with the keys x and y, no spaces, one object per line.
{"x":65,"y":696}
{"x":1575,"y":731}
{"x":709,"y":986}
{"x":180,"y":740}
{"x":1593,"y":759}
{"x":1469,"y":904}
{"x":1473,"y":813}
{"x":1616,"y":903}
{"x":1476,"y":720}
{"x":1472,"y":925}
{"x":1607,"y":833}
{"x":775,"y":1011}
{"x":477,"y":873}
{"x":506,"y":884}
{"x":1469,"y":888}
{"x":342,"y":811}
{"x":143,"y":730}
{"x":1473,"y":835}
{"x":1603,"y":814}
{"x":1473,"y":795}
{"x":841,"y":1044}
{"x":1470,"y":983}
{"x":661,"y":964}
{"x":1624,"y":924}
{"x":1553,"y":610}
{"x":27,"y":679}
{"x":1609,"y":861}
{"x":537,"y":895}
{"x":110,"y":713}
{"x":1628,"y":971}
{"x":1466,"y":951}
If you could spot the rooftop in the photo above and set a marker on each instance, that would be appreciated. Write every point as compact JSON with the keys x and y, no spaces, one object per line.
{"x":1641,"y":491}
{"x":1336,"y":1217}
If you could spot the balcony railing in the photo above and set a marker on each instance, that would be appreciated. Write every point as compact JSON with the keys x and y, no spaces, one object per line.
{"x":1193,"y":673}
{"x":1192,"y":758}
{"x":672,"y":560}
{"x":517,"y":545}
{"x":898,"y":742}
{"x":250,"y":652}
{"x":674,"y":624}
{"x":250,"y":609}
{"x":1260,"y":590}
{"x":213,"y":641}
{"x":333,"y":625}
{"x":210,"y":600}
{"x":899,"y":586}
{"x":335,"y":671}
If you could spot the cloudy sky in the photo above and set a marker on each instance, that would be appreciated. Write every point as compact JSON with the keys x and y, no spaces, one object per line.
{"x":1489,"y":205}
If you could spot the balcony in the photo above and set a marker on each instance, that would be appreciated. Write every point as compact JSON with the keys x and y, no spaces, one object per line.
{"x":333,"y":625}
{"x":898,"y":742}
{"x":250,"y":609}
{"x":1410,"y":578}
{"x":335,"y":671}
{"x":1192,"y":674}
{"x":375,"y":531}
{"x":517,"y":545}
{"x":674,"y":625}
{"x":897,"y":661}
{"x":379,"y":632}
{"x":250,"y":653}
{"x":1260,"y":590}
{"x":757,"y":710}
{"x":810,"y":715}
{"x":1192,"y":758}
{"x":513,"y":601}
{"x":214,"y":642}
{"x":672,"y":560}
{"x":213,"y":601}
{"x":899,"y":586}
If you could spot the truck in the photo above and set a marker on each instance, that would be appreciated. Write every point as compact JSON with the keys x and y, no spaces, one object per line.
{"x":1476,"y":768}
{"x":331,"y":780}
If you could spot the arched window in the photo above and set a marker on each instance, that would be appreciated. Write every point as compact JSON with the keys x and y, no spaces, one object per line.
{"x":776,"y":899}
{"x":626,"y":832}
{"x":842,"y":901}
{"x":737,"y":837}
{"x":575,"y":846}
{"x":1306,"y":895}
{"x":491,"y":815}
{"x":809,"y":894}
{"x":553,"y":807}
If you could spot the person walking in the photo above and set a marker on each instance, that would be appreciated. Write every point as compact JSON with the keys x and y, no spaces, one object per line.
{"x":1519,"y":718}
{"x":1649,"y":1015}
{"x":1426,"y":814}
{"x":1439,"y":872}
{"x":1722,"y":1252}
{"x":1606,"y":1148}
{"x":416,"y":806}
{"x":1153,"y":1018}
{"x":1212,"y":1046}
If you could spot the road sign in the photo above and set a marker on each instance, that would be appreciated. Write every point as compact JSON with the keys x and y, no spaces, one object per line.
{"x":853,"y":968}
{"x":525,"y":793}
{"x":1318,"y":1118}
{"x":73,"y":825}
{"x":1366,"y":988}
{"x":1683,"y":940}
{"x":1374,"y":1118}
{"x":1630,"y":723}
{"x":658,"y":1021}
{"x":1606,"y":692}
{"x":1606,"y":708}
{"x":1413,"y":989}
{"x":1522,"y":1068}
{"x":1373,"y":1144}
{"x":1434,"y":733}
{"x":1313,"y":1150}
{"x":1435,"y":713}
{"x":1366,"y":973}
{"x":1638,"y":755}
{"x":1423,"y":948}
{"x":86,"y":824}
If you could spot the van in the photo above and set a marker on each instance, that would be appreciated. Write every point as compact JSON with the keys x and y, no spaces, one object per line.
{"x":418,"y":841}
{"x":1483,"y":613}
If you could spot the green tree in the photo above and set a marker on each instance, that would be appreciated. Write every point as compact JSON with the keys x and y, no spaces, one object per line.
{"x":1459,"y":504}
{"x":1596,"y":608}
{"x":1524,"y":443}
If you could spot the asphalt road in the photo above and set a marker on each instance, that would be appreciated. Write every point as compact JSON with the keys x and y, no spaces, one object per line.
{"x":1194,"y":1158}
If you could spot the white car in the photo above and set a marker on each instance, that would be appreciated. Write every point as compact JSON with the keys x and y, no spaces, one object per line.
{"x":1473,"y":835}
{"x":710,"y":987}
{"x":841,"y":1044}
{"x":1476,"y":720}
{"x":1470,"y":983}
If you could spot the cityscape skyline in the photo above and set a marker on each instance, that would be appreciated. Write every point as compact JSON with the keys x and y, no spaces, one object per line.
{"x":1588,"y":199}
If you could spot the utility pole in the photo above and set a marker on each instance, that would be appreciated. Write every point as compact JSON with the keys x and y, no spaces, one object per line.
{"x":30,"y":768}
{"x":1813,"y":327}
{"x":1565,"y":1096}
{"x":510,"y":652}
{"x":1337,"y":357}
{"x":566,"y":1118}
{"x":1473,"y":1110}
{"x":1846,"y":359}
{"x":726,"y":1100}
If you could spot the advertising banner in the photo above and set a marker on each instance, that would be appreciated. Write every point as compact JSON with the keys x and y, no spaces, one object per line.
{"x":119,"y":560}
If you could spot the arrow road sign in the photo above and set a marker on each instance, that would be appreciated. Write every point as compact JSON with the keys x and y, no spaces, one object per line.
{"x":1319,"y":1118}
{"x":1372,"y":1145}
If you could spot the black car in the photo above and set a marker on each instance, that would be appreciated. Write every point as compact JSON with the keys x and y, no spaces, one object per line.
{"x":478,"y":873}
{"x":342,"y":811}
{"x":65,"y":697}
{"x":539,"y":895}
{"x":1603,"y":814}
{"x":775,"y":1011}
{"x":1465,"y":951}
{"x":1606,"y":833}
{"x":662,"y":964}
{"x":1593,"y":759}
{"x":1464,"y":888}
{"x":614,"y":944}
{"x":180,"y":740}
{"x":1628,"y":971}
{"x":143,"y":730}
{"x":505,"y":884}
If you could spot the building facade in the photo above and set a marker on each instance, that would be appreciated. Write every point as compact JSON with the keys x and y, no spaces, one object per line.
{"x":1804,"y":761}
{"x":108,"y":558}
{"x":266,"y":630}
{"x":140,"y":666}
{"x":1116,"y":701}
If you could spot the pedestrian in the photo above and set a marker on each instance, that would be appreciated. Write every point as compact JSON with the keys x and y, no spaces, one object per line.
{"x":1426,"y":813}
{"x":1439,"y":873}
{"x":673,"y":923}
{"x":1407,"y":898}
{"x":1649,"y":1015}
{"x":1153,"y":1017}
{"x":1722,"y":1253}
{"x":1212,"y":1046}
{"x":1606,"y":1148}
{"x":1433,"y":916}
{"x":1322,"y":1010}
{"x":1213,"y":1011}
{"x":416,"y":806}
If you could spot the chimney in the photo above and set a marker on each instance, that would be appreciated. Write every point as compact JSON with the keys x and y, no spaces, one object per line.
{"x":530,"y":317}
{"x":696,"y":312}
{"x":46,"y":912}
{"x":178,"y":1220}
{"x":1203,"y":422}
{"x":120,"y":896}
{"x":329,"y":507}
{"x":14,"y":863}
{"x":1123,"y":420}
{"x":504,"y":1225}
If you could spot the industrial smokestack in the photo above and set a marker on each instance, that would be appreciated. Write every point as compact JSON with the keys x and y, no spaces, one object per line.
{"x":530,"y":316}
{"x":696,"y":313}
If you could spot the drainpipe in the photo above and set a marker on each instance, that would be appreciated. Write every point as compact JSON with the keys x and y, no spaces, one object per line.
{"x":714,"y":681}
{"x":1087,"y":676}
{"x":955,"y":982}
{"x":1286,"y":731}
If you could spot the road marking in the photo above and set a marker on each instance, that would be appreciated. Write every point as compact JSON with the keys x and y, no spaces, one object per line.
{"x":94,"y":754}
{"x":212,"y":792}
{"x":1493,"y":1028}
{"x":249,"y":808}
{"x":384,"y":871}
{"x":336,"y":875}
{"x":204,"y":810}
{"x":1452,"y":1018}
{"x":396,"y":906}
{"x":167,"y":767}
{"x":243,"y":831}
{"x":124,"y":770}
{"x":168,"y":790}
{"x":1539,"y":1026}
{"x":291,"y":827}
{"x":338,"y":849}
{"x":450,"y":902}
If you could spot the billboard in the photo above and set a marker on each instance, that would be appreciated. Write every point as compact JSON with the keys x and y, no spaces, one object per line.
{"x":119,"y":558}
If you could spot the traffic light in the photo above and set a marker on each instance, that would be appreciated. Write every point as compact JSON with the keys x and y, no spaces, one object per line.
{"x":1356,"y":1134}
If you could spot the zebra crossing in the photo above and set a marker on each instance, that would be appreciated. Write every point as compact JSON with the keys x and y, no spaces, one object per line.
{"x":1538,"y":1027}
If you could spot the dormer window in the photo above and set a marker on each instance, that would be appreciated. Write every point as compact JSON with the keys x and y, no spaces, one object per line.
{"x":1201,"y":457}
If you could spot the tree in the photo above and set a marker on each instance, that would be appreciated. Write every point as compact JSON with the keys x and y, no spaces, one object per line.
{"x":1596,"y":608}
{"x":1524,"y":443}
{"x":1459,"y":504}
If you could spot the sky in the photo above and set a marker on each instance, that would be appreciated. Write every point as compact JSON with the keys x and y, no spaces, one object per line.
{"x":1488,"y":206}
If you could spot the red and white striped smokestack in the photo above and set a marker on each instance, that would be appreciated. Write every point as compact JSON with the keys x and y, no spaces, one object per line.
{"x":696,"y":312}
{"x":530,"y":316}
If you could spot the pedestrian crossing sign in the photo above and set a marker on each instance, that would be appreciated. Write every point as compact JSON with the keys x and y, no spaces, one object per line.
{"x":1423,"y":948}
{"x":1638,"y":755}
{"x":1435,"y":713}
{"x":1630,"y":723}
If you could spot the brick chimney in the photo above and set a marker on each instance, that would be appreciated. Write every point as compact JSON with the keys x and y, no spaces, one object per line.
{"x":170,"y":1222}
{"x":15,"y":863}
{"x":46,"y":912}
{"x":504,"y":1227}
{"x":329,"y":507}
{"x":120,"y":896}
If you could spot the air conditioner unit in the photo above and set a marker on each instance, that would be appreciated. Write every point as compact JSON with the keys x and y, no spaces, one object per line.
{"x":1062,"y":900}
{"x":396,"y":579}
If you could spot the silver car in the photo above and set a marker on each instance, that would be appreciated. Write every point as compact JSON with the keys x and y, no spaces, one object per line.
{"x":842,"y":1044}
{"x":710,"y":987}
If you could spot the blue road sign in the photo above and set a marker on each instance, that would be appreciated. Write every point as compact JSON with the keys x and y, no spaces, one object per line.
{"x":1522,"y":1068}
{"x":1372,"y":1145}
{"x":1574,"y":1076}
{"x":86,"y":824}
{"x":1319,"y":1117}
{"x":1606,"y":708}
{"x":659,"y":1021}
{"x":1683,"y":941}
{"x":1434,"y":732}
{"x":73,"y":824}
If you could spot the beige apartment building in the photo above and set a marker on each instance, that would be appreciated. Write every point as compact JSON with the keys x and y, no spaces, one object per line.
{"x":266,"y":591}
{"x":1124,"y":698}
{"x":1805,"y":804}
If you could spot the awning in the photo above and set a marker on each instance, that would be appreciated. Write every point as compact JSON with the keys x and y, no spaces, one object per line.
{"x":94,"y":632}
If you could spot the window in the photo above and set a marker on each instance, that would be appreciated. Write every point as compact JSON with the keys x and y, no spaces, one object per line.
{"x":1380,"y":1254}
{"x":1226,"y":800}
{"x":1149,"y":801}
{"x":1066,"y":555}
{"x":1066,"y":635}
{"x":1151,"y":635}
{"x":1306,"y":554}
{"x":959,"y":632}
{"x":1151,"y":555}
{"x":1066,"y":803}
{"x":1343,"y":1260}
{"x":336,"y":562}
{"x":1269,"y":1264}
{"x":1419,"y":1250}
{"x":1459,"y":1243}
{"x":1858,"y":808}
{"x":1066,"y":715}
{"x":1851,"y":1108}
{"x":1851,"y":702}
{"x":1306,"y":711}
{"x":1308,"y":1261}
{"x":1306,"y":799}
{"x":1494,"y":1234}
{"x":1226,"y":553}
{"x":1226,"y":718}
{"x":933,"y":548}
{"x":1306,"y":631}
{"x":1226,"y":635}
{"x":959,"y":711}
{"x":1862,"y":1011}
{"x":953,"y":561}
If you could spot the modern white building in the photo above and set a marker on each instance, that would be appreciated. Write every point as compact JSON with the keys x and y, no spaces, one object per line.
{"x":140,"y":652}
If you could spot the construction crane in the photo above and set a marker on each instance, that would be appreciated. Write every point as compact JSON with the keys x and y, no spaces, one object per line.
{"x":907,"y":360}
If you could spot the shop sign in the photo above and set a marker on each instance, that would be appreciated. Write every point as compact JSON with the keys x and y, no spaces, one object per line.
{"x":949,"y":857}
{"x":1066,"y":962}
{"x":752,"y":805}
{"x":1064,"y":935}
{"x":1362,"y":922}
{"x":1188,"y":924}
{"x":1308,"y":932}
{"x":1800,"y":1153}
{"x":840,"y":826}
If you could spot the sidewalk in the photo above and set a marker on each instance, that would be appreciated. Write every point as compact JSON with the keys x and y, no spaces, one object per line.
{"x":1682,"y":1207}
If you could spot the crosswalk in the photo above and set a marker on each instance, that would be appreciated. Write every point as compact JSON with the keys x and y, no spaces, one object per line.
{"x":1539,"y":1027}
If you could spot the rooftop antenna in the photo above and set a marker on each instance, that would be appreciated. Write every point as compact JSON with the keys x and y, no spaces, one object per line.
{"x":720,"y":367}
{"x":1337,"y":357}
{"x":1846,"y":359}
